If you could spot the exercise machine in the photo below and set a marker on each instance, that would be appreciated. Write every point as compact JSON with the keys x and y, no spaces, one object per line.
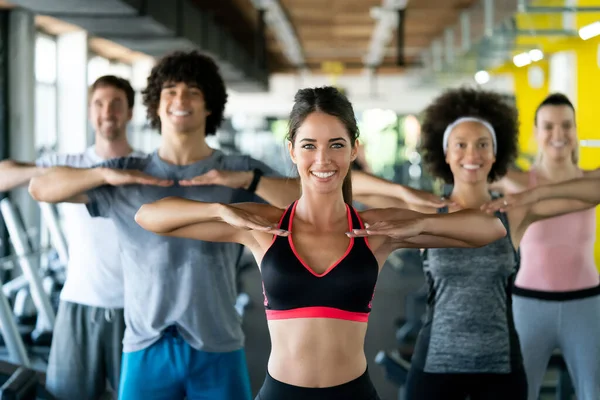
{"x":22,"y":383}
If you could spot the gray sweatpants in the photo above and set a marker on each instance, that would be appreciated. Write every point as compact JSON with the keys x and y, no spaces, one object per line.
{"x":86,"y":352}
{"x":573,"y":326}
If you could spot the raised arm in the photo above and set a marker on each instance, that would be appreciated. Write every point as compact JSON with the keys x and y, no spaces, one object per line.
{"x":62,"y":184}
{"x":14,"y":174}
{"x":582,"y":189}
{"x":407,"y":228}
{"x":550,"y":200}
{"x":282,"y":191}
{"x":364,"y":184}
{"x":66,"y":184}
{"x":212,"y":222}
{"x":376,"y":201}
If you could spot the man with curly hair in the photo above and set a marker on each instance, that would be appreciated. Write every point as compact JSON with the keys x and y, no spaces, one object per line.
{"x":183,"y":337}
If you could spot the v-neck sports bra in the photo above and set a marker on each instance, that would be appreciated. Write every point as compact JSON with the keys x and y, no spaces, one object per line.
{"x":292,"y":289}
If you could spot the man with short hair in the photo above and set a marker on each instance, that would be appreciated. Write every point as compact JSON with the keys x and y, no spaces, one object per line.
{"x":87,"y":339}
{"x":184,"y":337}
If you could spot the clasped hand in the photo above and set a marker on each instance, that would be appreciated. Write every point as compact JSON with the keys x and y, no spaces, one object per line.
{"x":511,"y":201}
{"x":243,"y":219}
{"x":398,"y":230}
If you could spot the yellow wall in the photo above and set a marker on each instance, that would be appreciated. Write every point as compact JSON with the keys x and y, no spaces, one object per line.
{"x":527,"y":99}
{"x":588,"y":89}
{"x":588,"y":85}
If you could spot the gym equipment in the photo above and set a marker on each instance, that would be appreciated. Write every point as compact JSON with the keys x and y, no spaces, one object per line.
{"x":563,"y":388}
{"x":11,"y":334}
{"x":23,"y":308}
{"x":242,"y":302}
{"x":406,"y":261}
{"x":415,"y":308}
{"x":57,"y":239}
{"x":22,"y":247}
{"x":396,"y":369}
{"x":245,"y":262}
{"x":20,"y":383}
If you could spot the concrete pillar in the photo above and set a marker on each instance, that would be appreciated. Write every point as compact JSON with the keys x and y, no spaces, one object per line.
{"x":21,"y":98}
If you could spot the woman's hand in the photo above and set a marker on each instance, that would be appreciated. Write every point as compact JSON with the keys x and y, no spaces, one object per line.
{"x":510,"y":201}
{"x":397,"y":230}
{"x":243,"y":219}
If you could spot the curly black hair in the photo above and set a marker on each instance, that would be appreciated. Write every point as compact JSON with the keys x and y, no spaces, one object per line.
{"x":469,"y":102}
{"x":189,"y":67}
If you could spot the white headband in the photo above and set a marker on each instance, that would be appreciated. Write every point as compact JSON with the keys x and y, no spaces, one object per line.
{"x":453,"y":125}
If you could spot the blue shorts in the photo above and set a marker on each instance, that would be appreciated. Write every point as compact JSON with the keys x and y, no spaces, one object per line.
{"x":171,"y":369}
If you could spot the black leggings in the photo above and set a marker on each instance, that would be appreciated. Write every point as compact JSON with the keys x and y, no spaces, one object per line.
{"x":426,"y":386}
{"x":360,"y":388}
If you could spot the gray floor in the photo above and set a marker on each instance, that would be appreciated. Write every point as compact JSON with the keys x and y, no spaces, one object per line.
{"x":387,"y":306}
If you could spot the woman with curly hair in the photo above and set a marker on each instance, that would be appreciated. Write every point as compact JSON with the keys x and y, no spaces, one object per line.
{"x":556,"y":298}
{"x":319,"y":264}
{"x":469,"y":347}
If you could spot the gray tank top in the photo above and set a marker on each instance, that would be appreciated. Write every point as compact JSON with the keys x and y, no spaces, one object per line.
{"x":469,"y":325}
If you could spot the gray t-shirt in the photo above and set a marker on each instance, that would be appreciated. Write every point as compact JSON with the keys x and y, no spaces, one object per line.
{"x":173,"y":281}
{"x":469,"y":325}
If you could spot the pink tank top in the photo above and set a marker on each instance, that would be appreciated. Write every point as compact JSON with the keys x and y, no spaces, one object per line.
{"x":557,"y":254}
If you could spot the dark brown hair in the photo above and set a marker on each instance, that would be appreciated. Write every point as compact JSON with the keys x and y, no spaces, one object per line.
{"x":118,"y":83}
{"x":558,"y":99}
{"x":330,"y":101}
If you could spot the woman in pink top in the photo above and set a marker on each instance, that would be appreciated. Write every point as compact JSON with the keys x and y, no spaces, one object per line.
{"x":556,"y":298}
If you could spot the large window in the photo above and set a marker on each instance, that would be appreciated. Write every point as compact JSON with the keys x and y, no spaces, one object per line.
{"x":45,"y":92}
{"x":99,"y":66}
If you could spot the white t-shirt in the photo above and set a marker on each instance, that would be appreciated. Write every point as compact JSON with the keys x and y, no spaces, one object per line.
{"x":94,"y":271}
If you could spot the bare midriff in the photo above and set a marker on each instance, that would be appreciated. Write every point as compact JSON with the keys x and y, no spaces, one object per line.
{"x":317,"y":352}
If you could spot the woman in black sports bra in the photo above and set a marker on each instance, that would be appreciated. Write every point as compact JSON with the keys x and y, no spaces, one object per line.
{"x":318,"y":262}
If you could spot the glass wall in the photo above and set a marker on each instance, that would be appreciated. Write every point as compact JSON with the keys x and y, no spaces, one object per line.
{"x":46,"y":109}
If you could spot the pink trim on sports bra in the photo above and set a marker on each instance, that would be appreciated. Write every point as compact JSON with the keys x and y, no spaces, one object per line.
{"x":317,"y":312}
{"x":348,"y":249}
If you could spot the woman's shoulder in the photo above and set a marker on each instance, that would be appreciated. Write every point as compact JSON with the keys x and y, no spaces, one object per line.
{"x":591,"y":173}
{"x":514,"y":181}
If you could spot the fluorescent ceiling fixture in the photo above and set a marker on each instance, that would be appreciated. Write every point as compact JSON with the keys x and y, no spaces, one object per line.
{"x":521,"y":60}
{"x":536,"y":55}
{"x":482,"y":77}
{"x":589,"y":143}
{"x":589,"y":31}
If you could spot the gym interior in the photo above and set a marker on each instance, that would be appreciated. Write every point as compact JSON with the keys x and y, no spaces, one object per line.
{"x":391,"y":58}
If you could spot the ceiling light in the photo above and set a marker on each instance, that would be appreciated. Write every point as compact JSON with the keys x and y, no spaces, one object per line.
{"x":482,"y":77}
{"x":536,"y":55}
{"x":589,"y":31}
{"x":522,"y":59}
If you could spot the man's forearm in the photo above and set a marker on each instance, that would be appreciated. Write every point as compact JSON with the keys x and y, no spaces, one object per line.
{"x":14,"y":174}
{"x":280,"y":192}
{"x":59,"y":184}
{"x":582,"y":189}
